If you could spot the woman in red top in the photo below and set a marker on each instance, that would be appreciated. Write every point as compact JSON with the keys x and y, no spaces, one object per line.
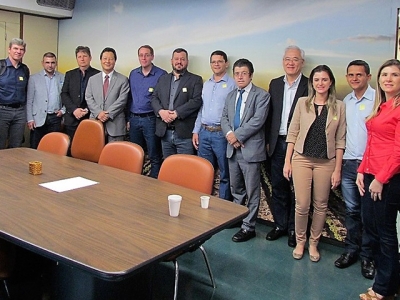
{"x":378,"y":181}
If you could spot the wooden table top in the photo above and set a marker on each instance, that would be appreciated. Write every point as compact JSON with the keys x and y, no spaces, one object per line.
{"x":110,"y":229}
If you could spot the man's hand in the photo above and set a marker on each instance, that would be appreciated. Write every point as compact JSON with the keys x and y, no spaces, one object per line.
{"x":31,"y":125}
{"x":195,"y":140}
{"x":103,"y":116}
{"x":80,"y":113}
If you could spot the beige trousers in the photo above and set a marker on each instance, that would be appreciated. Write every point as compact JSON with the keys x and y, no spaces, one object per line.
{"x":311,"y":175}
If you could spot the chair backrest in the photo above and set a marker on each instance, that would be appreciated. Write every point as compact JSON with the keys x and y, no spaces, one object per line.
{"x":88,"y":141}
{"x":54,"y":142}
{"x":189,"y":171}
{"x":123,"y":155}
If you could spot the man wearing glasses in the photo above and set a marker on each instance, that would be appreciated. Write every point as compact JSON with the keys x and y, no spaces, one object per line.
{"x":207,"y":138}
{"x":242,"y":122}
{"x":285,"y":91}
{"x":142,"y":120}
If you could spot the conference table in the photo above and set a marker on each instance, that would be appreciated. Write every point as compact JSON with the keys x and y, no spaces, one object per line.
{"x":110,"y":230}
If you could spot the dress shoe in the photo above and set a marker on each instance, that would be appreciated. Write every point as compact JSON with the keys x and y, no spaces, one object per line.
{"x":314,"y":256}
{"x":291,"y":239}
{"x":367,"y":269}
{"x":275,"y":234}
{"x":298,"y":252}
{"x":345,"y":260}
{"x":243,"y":235}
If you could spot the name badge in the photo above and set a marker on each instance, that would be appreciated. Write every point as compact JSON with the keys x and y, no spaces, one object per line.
{"x":335,"y":118}
{"x":184,"y":90}
{"x":151,"y":90}
{"x":362,"y":107}
{"x":21,"y":78}
{"x":224,"y":86}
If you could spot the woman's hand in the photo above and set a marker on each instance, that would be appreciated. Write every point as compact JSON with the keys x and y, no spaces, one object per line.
{"x":375,"y":188}
{"x":335,"y":179}
{"x":360,"y":183}
{"x":287,"y":170}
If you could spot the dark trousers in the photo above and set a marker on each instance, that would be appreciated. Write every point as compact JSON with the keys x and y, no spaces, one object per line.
{"x":283,"y":200}
{"x":356,"y":241}
{"x":379,"y":218}
{"x":52,"y":124}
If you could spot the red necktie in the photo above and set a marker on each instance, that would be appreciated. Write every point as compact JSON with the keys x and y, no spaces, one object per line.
{"x":105,"y":86}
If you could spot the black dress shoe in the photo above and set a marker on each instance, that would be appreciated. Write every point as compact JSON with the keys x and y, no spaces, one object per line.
{"x":345,"y":260}
{"x":275,"y":234}
{"x":367,"y":269}
{"x":291,"y":239}
{"x":243,"y":235}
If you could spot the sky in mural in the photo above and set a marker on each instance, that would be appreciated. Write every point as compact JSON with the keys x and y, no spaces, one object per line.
{"x":330,"y":32}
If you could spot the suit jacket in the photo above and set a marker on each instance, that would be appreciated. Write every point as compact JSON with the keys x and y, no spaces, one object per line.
{"x":335,"y":129}
{"x":187,"y":103}
{"x":114,"y":102}
{"x":71,"y":94}
{"x":37,"y":97}
{"x":276,"y":89}
{"x":251,"y":129}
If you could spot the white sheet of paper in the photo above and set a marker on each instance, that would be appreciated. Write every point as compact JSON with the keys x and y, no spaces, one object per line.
{"x":68,"y":184}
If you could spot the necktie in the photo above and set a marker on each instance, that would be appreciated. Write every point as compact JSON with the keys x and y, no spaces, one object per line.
{"x":105,"y":86}
{"x":236,"y":120}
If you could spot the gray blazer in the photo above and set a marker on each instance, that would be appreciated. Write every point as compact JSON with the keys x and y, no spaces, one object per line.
{"x":37,"y":98}
{"x":251,"y":131}
{"x":114,"y":103}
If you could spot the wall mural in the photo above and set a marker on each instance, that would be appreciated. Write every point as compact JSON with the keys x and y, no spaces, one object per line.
{"x":330,"y":32}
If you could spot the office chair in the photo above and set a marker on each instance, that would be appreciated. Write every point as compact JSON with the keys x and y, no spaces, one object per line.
{"x":54,"y":142}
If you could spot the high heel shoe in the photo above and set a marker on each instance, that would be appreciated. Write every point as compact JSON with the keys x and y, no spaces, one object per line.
{"x":316,"y":257}
{"x":298,"y":255}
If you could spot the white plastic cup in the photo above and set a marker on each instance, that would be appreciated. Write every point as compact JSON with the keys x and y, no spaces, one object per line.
{"x":205,"y":200}
{"x":174,"y":203}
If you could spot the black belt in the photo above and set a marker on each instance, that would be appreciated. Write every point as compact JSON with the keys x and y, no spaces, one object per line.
{"x":150,"y":114}
{"x":170,"y":127}
{"x":13,"y":105}
{"x":282,"y":137}
{"x":356,"y":160}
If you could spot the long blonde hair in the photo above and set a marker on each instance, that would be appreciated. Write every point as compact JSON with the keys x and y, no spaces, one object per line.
{"x":331,"y":101}
{"x":380,"y":96}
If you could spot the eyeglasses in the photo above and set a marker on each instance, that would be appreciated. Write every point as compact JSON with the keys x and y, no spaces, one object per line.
{"x":217,"y":62}
{"x":292,"y":59}
{"x":238,"y":74}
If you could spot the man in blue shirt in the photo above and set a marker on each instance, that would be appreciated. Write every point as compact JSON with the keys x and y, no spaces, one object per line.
{"x":142,"y":120}
{"x":13,"y":88}
{"x":359,"y":104}
{"x":208,"y":138}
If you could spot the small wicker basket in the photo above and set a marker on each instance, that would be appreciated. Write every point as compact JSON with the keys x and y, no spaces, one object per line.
{"x":35,"y":167}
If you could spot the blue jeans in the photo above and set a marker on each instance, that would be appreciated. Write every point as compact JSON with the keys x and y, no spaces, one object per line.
{"x":212,"y":146}
{"x":356,"y":241}
{"x":12,"y":126}
{"x":283,"y":201}
{"x":142,"y":132}
{"x":52,"y":124}
{"x":172,"y":144}
{"x":379,"y":218}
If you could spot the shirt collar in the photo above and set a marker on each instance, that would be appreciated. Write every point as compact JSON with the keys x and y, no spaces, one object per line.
{"x":369,"y":94}
{"x":103,"y":75}
{"x":295,"y":83}
{"x":224,"y":78}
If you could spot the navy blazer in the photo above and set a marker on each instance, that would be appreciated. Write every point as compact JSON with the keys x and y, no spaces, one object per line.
{"x":276,"y":90}
{"x":71,"y":94}
{"x":187,"y":103}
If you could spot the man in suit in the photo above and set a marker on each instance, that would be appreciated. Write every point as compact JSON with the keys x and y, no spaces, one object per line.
{"x":142,"y":120}
{"x":285,"y":91}
{"x":176,"y":101}
{"x":44,"y":109}
{"x":106,"y":96}
{"x":242,"y":122}
{"x":73,"y":90}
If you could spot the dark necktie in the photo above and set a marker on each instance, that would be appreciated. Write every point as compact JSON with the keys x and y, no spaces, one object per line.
{"x":105,"y":86}
{"x":236,"y":120}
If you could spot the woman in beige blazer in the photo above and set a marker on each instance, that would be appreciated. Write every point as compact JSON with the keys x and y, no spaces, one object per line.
{"x":316,"y":142}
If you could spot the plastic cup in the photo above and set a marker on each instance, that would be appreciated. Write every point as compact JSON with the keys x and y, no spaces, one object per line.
{"x":205,"y":200}
{"x":174,"y":203}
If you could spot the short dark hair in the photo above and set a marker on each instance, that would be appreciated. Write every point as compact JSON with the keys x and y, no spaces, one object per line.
{"x":359,"y":62}
{"x":84,"y":49}
{"x":108,"y":49}
{"x":243,"y":62}
{"x":147,"y":47}
{"x":180,"y":50}
{"x":49,"y":54}
{"x":221,"y":53}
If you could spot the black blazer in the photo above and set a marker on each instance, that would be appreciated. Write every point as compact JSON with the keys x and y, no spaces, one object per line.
{"x":187,"y":103}
{"x":276,"y":89}
{"x":71,"y":94}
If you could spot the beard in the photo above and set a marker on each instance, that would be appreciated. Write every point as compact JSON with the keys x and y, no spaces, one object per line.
{"x":183,"y":70}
